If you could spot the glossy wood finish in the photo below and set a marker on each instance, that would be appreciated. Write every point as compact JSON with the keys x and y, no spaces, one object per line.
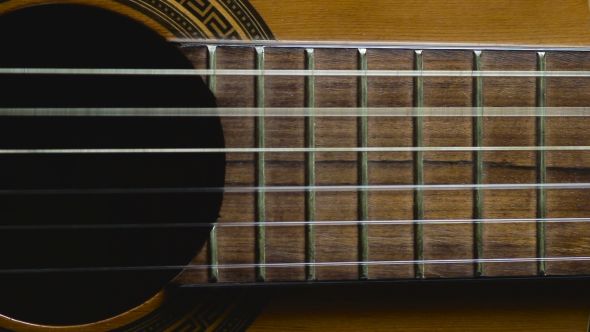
{"x":447,"y":307}
{"x":116,"y":322}
{"x":475,"y":21}
{"x":525,"y":22}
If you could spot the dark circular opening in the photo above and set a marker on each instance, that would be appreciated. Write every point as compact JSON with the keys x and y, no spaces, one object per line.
{"x":68,"y":36}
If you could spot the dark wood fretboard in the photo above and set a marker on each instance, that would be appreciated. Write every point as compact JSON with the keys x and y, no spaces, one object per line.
{"x":478,"y":240}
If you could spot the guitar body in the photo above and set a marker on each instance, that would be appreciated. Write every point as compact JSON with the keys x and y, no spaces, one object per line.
{"x":463,"y":297}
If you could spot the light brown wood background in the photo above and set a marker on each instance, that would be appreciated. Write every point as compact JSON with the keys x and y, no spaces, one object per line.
{"x":472,"y":21}
{"x":448,"y":307}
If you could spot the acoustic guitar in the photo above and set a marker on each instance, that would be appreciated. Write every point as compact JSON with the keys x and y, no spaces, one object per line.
{"x":223,"y":165}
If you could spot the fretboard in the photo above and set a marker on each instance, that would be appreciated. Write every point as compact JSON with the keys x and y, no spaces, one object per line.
{"x":445,"y":162}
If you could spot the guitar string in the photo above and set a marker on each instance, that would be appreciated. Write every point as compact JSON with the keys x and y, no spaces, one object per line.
{"x":307,"y":73}
{"x":291,"y":72}
{"x":281,"y":224}
{"x":234,"y":266}
{"x":571,"y":148}
{"x":335,"y":73}
{"x":296,"y":189}
{"x":491,"y":112}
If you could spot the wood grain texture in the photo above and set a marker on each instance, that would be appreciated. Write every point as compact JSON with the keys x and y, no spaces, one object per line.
{"x":108,"y":324}
{"x":388,"y":243}
{"x":444,"y":307}
{"x":568,"y":239}
{"x":287,"y":245}
{"x":446,"y":241}
{"x":474,"y":21}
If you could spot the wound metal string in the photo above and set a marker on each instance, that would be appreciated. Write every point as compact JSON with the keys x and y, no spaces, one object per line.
{"x":98,"y":269}
{"x":295,"y":189}
{"x":288,"y":72}
{"x":301,"y":112}
{"x":292,"y":150}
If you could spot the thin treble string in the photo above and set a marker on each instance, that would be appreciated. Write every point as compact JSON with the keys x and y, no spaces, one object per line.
{"x":295,"y":189}
{"x":301,"y":112}
{"x":235,"y":266}
{"x":295,"y":150}
{"x":288,"y":72}
{"x":275,"y":224}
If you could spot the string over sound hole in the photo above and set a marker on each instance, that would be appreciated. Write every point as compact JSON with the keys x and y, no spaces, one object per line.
{"x":59,"y":36}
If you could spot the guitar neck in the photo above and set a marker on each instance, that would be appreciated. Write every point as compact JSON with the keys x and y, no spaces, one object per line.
{"x":395,"y":162}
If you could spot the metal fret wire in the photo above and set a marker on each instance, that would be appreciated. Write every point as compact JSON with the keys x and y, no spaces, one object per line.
{"x":363,"y":139}
{"x":287,"y":72}
{"x":418,"y":166}
{"x":303,"y":112}
{"x":478,"y":167}
{"x":260,"y":170}
{"x":541,"y":101}
{"x":310,"y":172}
{"x":213,"y":250}
{"x":295,"y":265}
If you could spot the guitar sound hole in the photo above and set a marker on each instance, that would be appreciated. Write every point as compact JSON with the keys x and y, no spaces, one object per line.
{"x":67,"y":36}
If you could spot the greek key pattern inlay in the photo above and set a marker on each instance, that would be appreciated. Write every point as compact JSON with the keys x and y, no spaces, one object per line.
{"x":200,"y":19}
{"x":221,"y":19}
